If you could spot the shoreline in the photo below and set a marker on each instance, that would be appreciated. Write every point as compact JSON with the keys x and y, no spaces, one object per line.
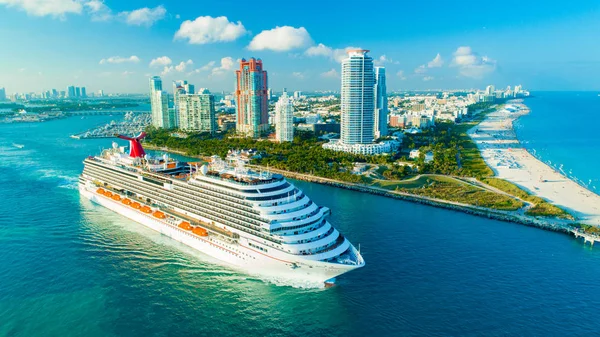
{"x":551,"y":224}
{"x":505,"y":154}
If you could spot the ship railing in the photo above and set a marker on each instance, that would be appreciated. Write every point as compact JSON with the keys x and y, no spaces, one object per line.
{"x":243,"y":226}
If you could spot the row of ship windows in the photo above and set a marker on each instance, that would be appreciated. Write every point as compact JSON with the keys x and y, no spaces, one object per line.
{"x":215,"y":217}
{"x":160,"y":191}
{"x":288,"y":228}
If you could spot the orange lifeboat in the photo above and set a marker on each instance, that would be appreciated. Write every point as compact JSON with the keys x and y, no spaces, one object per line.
{"x":200,"y":231}
{"x":108,"y":194}
{"x":159,"y":214}
{"x":116,"y":197}
{"x":146,"y":209}
{"x":136,"y":205}
{"x":100,"y":191}
{"x":185,"y":225}
{"x":126,"y":201}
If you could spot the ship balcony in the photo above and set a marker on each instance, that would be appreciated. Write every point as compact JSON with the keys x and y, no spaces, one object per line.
{"x":300,"y":214}
{"x":286,"y":207}
{"x":316,"y":247}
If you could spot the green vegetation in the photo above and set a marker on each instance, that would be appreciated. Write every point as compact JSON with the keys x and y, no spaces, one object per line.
{"x":304,"y":155}
{"x":447,"y":188}
{"x":587,"y":228}
{"x":541,"y":207}
{"x":455,"y":154}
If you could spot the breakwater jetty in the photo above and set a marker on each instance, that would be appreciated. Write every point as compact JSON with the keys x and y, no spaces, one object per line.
{"x":556,"y":225}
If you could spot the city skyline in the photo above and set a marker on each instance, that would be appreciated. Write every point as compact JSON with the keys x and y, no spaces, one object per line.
{"x":455,"y":46}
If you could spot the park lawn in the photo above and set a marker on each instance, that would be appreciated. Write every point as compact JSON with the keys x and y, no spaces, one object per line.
{"x":450,"y":189}
{"x":541,"y":207}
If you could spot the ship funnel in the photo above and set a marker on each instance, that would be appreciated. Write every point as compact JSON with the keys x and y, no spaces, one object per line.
{"x":135,"y":146}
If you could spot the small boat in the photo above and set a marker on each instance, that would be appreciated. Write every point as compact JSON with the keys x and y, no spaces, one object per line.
{"x":18,"y":146}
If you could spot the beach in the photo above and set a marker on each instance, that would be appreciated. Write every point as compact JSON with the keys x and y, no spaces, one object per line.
{"x":504,"y":154}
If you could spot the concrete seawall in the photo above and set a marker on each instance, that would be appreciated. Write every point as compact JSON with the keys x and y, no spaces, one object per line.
{"x":455,"y":206}
{"x":507,"y":216}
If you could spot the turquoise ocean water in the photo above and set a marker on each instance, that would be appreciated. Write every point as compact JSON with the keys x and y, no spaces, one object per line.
{"x":562,"y":131}
{"x":70,"y":268}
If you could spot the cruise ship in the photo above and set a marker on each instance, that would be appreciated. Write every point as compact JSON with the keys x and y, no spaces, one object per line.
{"x":254,"y":220}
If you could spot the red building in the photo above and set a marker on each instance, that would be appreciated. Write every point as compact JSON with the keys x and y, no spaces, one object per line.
{"x":251,"y":97}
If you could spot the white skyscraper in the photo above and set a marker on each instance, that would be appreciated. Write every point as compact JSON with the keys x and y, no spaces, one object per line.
{"x":159,"y":101}
{"x":284,"y":119}
{"x":381,"y":103}
{"x":197,"y":112}
{"x":358,"y":107}
{"x":357,"y":104}
{"x":489,"y":90}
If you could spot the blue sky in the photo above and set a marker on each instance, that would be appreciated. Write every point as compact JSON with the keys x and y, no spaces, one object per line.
{"x":116,"y":45}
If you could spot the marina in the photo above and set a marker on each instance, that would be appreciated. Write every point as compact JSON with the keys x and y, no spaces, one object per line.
{"x":132,"y":123}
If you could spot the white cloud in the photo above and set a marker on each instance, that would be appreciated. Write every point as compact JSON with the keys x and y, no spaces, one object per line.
{"x":144,"y":16}
{"x":207,"y":67}
{"x":181,"y":67}
{"x":281,"y":39}
{"x":55,"y":8}
{"x":436,"y":62}
{"x":322,"y":50}
{"x":428,"y":78}
{"x":167,"y":70}
{"x":383,"y":59}
{"x":206,"y":29}
{"x":98,"y":10}
{"x":470,"y":64}
{"x":161,"y":61}
{"x":420,"y":69}
{"x":319,"y":50}
{"x":127,"y":73}
{"x":330,"y":74}
{"x":227,"y":64}
{"x":118,"y":59}
{"x":400,"y":74}
{"x":299,"y":75}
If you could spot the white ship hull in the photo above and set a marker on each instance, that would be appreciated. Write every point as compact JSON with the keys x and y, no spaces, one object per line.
{"x":236,"y":254}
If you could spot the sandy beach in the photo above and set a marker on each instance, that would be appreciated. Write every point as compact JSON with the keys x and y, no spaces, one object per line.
{"x":502,"y":151}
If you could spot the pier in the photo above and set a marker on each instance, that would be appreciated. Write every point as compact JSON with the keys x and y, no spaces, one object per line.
{"x":587,"y":237}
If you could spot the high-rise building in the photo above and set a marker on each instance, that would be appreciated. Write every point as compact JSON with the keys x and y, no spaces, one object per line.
{"x":252,"y":102}
{"x":101,"y":93}
{"x":284,"y":119}
{"x":70,"y":92}
{"x":83,"y":92}
{"x":2,"y":94}
{"x":77,"y":92}
{"x":155,"y":84}
{"x":357,"y":102}
{"x":381,"y":103}
{"x":197,"y":112}
{"x":489,"y":90}
{"x":159,"y":102}
{"x":189,"y":88}
{"x":297,"y":94}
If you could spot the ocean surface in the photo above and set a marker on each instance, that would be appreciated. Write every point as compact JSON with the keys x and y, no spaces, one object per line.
{"x":562,"y":131}
{"x":71,"y":268}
